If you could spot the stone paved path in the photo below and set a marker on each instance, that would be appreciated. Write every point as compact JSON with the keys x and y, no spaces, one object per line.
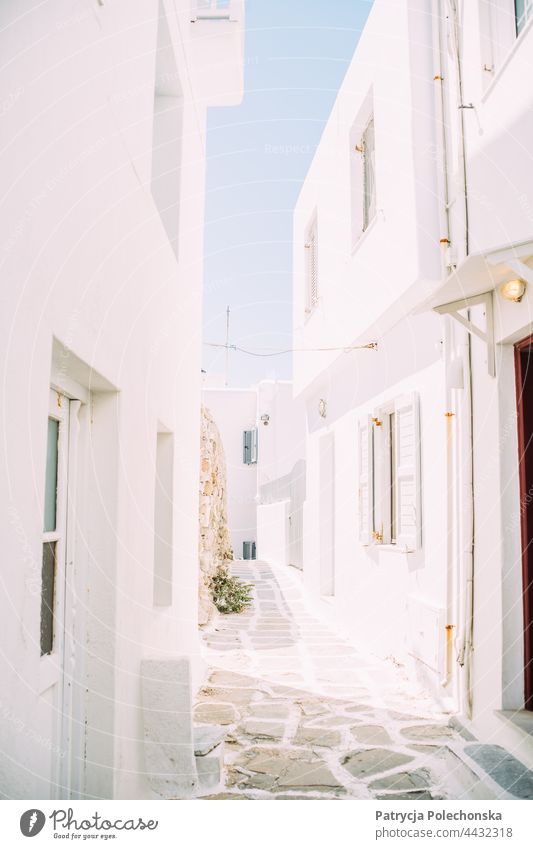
{"x":307,"y":716}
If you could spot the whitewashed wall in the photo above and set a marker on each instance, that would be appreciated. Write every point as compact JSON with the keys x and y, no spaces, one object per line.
{"x":382,"y":287}
{"x":378,"y":590}
{"x":98,"y":305}
{"x":498,"y":132}
{"x":368,"y":282}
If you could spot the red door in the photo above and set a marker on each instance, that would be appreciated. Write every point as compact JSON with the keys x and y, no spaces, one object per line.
{"x":524,"y":395}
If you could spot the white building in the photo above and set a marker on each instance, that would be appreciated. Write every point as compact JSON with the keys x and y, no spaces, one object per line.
{"x":263,"y":433}
{"x":235,"y":413}
{"x":417,"y":198}
{"x":103,"y":160}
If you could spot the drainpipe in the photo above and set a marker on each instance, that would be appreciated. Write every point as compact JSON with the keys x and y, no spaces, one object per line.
{"x":450,"y":518}
{"x":445,"y":238}
{"x":465,"y":637}
{"x":441,"y":143}
{"x":461,"y":106}
{"x":465,"y":642}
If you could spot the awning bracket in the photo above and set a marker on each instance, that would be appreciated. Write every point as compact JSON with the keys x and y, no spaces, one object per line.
{"x":454,"y":309}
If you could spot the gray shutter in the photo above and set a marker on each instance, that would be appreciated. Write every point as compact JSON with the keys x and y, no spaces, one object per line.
{"x":365,"y":466}
{"x":247,"y":447}
{"x":408,"y":501}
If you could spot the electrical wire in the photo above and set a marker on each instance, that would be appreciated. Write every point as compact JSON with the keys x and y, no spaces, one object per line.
{"x":273,"y":353}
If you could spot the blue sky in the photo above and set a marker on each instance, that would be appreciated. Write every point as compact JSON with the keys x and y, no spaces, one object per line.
{"x":296,"y":55}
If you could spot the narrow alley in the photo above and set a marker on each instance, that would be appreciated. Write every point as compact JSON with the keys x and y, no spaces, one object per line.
{"x":307,"y":716}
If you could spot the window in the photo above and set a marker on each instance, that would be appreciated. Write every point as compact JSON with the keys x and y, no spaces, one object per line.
{"x":249,"y":447}
{"x":54,"y":515}
{"x":369,"y":179}
{"x":163,"y":519}
{"x":362,"y":169}
{"x":311,"y":266}
{"x":389,"y":475}
{"x":523,"y":13}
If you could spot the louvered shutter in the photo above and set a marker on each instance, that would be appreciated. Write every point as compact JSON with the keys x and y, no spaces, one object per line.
{"x":365,"y":464}
{"x":247,"y":447}
{"x":408,"y":511}
{"x":312,"y":267}
{"x":313,"y":271}
{"x":369,"y":179}
{"x":253,"y":451}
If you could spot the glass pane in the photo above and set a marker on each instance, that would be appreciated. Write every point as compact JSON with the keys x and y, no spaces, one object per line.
{"x":47,"y":597}
{"x":523,"y":10}
{"x":50,"y":486}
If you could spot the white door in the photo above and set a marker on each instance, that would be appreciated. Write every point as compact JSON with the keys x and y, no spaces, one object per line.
{"x":327,"y":514}
{"x":57,"y":641}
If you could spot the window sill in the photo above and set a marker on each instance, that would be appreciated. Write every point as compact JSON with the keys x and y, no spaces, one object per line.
{"x":364,"y":233}
{"x":499,"y":72}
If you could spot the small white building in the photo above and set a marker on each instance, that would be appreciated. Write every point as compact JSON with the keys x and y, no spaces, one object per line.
{"x":103,"y":163}
{"x":417,"y":199}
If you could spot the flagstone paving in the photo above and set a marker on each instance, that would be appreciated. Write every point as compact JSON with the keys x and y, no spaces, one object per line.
{"x":307,"y":715}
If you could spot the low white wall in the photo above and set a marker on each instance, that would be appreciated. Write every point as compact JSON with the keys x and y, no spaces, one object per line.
{"x":272,"y":532}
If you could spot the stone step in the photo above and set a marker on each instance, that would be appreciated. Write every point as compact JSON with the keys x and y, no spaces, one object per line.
{"x":209,"y":756}
{"x":510,"y":774}
{"x":487,"y":771}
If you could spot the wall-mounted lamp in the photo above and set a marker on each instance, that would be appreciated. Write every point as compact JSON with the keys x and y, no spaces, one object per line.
{"x":265,"y":418}
{"x":513,"y":290}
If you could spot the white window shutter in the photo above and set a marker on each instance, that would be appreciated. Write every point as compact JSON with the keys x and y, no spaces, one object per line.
{"x":312,"y":266}
{"x":408,"y":509}
{"x":365,"y":464}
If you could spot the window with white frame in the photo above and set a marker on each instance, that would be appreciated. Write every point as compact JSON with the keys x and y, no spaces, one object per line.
{"x":389,"y":475}
{"x":368,"y":154}
{"x":363,"y":170}
{"x":523,"y":13}
{"x":311,"y":265}
{"x":501,"y":22}
{"x":55,"y":520}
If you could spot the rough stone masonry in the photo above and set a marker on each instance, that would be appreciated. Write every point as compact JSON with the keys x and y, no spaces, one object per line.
{"x":215,"y":545}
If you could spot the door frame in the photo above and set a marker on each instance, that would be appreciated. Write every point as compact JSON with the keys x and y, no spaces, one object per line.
{"x":526,"y":546}
{"x":63,"y":668}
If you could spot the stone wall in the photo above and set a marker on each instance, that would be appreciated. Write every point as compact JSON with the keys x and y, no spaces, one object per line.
{"x":215,"y":546}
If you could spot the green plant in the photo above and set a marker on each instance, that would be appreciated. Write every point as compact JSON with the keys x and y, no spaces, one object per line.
{"x":230,"y":595}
